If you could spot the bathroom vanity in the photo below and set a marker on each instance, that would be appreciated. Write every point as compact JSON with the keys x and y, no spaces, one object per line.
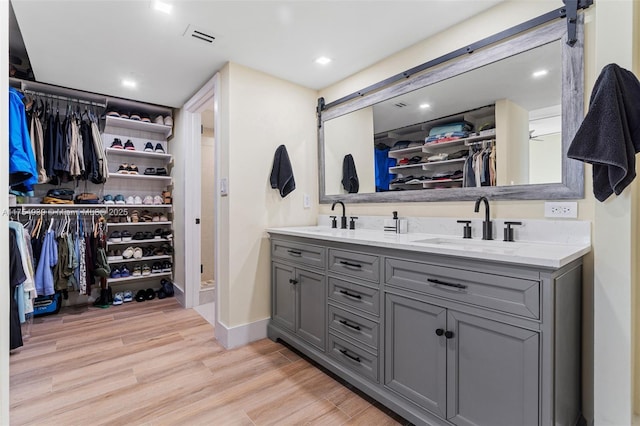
{"x":441,"y":330}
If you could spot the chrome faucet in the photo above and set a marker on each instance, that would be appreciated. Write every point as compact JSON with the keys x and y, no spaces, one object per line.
{"x":343,"y":219}
{"x":487,"y":226}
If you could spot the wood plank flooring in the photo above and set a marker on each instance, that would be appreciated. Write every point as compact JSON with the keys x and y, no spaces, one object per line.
{"x":155,"y":363}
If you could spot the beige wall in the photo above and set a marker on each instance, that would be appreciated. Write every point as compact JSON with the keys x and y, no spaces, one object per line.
{"x":512,"y":132}
{"x":542,"y":154}
{"x":350,"y":134}
{"x":261,"y":112}
{"x":207,"y":190}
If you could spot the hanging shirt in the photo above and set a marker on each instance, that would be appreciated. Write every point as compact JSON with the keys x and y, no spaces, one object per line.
{"x":16,"y":277}
{"x":48,"y":260}
{"x":22,"y":164}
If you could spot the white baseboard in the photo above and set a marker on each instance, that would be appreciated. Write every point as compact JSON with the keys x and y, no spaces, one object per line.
{"x":241,"y":335}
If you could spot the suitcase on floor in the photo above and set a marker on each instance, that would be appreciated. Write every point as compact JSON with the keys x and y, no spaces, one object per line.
{"x":47,"y":305}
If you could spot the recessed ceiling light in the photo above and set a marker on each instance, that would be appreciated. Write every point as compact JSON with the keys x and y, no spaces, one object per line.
{"x":423,"y":106}
{"x":540,"y":73}
{"x":129,"y":83}
{"x":162,"y":6}
{"x":323,"y":60}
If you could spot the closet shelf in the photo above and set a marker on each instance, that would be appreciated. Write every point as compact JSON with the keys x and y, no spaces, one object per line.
{"x":143,"y":259}
{"x":405,"y":152}
{"x":138,"y":242}
{"x":92,"y":206}
{"x":437,"y":164}
{"x":126,"y":123}
{"x":139,"y":176}
{"x":138,"y":223}
{"x":114,"y":281}
{"x":140,"y":206}
{"x":434,"y":147}
{"x":398,"y":169}
{"x":149,"y":155}
{"x":431,"y":183}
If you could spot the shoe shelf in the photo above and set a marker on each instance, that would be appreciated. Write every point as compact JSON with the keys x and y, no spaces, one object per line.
{"x":127,"y":224}
{"x":127,"y":123}
{"x":149,"y":155}
{"x":136,"y":242}
{"x":133,"y":206}
{"x":142,"y":259}
{"x":139,"y":176}
{"x":151,"y":276}
{"x":25,"y":207}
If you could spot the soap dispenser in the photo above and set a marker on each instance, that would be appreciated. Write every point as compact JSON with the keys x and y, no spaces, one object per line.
{"x":399,"y":226}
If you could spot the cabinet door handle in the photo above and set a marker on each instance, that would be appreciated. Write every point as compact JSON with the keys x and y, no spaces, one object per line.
{"x":438,"y":282}
{"x":346,"y":353}
{"x":292,"y":281}
{"x":294,"y":252}
{"x":448,"y":334}
{"x":352,"y":265}
{"x":346,"y":293}
{"x":439,"y":331}
{"x":346,"y":323}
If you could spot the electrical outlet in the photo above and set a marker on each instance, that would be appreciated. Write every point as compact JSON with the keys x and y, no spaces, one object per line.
{"x":306,"y":201}
{"x":561,"y":209}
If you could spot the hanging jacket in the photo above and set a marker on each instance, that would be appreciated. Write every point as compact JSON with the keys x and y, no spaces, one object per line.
{"x":101,"y":159}
{"x":350,"y":181}
{"x":23,"y":173}
{"x":48,"y":260}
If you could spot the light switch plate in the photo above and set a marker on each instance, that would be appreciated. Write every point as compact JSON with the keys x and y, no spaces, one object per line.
{"x":224,"y":186}
{"x":306,"y":201}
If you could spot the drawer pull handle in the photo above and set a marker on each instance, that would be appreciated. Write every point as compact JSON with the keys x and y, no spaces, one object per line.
{"x":439,"y":331}
{"x":294,"y":252}
{"x":438,"y":282}
{"x":346,"y":293}
{"x":346,"y":323}
{"x":448,"y":334}
{"x":292,"y":281}
{"x":345,"y":353}
{"x":352,"y":265}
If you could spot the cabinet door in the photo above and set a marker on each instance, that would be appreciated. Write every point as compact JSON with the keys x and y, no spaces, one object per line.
{"x":312,"y":307}
{"x":283,"y":304}
{"x":492,"y":372}
{"x":415,"y":356}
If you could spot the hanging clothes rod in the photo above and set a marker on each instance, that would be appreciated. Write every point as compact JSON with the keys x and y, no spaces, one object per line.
{"x":64,"y":98}
{"x":483,"y":142}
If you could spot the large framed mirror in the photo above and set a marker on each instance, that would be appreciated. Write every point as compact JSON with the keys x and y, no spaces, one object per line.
{"x":497,"y":122}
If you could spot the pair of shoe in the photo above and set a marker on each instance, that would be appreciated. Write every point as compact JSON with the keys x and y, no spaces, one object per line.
{"x":113,"y":255}
{"x":166,"y":197}
{"x":120,"y":272}
{"x":118,"y":219}
{"x":141,"y":236}
{"x":122,"y":297}
{"x":160,"y":171}
{"x":128,"y":145}
{"x":133,"y":199}
{"x":128,"y":169}
{"x":147,"y":294}
{"x":120,"y":237}
{"x":132,"y":252}
{"x":167,"y":120}
{"x":148,"y":147}
{"x":136,"y":116}
{"x":118,"y":199}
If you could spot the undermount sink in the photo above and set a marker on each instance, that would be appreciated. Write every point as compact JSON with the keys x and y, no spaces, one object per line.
{"x":490,"y":246}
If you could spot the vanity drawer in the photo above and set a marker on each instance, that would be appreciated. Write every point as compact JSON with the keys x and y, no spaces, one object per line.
{"x":299,"y":253}
{"x":355,"y":295}
{"x":353,"y":357}
{"x":513,"y":295}
{"x":358,"y":265}
{"x":356,"y":327}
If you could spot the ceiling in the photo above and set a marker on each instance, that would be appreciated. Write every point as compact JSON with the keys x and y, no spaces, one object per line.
{"x":94,"y":45}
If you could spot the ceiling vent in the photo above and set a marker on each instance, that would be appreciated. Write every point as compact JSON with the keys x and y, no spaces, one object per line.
{"x":400,"y":105}
{"x":199,"y":34}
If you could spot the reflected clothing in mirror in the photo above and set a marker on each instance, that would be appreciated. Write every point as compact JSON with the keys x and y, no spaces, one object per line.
{"x":350,"y":181}
{"x":383,"y":162}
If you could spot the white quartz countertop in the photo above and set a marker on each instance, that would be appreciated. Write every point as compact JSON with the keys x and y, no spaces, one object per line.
{"x":532,"y":253}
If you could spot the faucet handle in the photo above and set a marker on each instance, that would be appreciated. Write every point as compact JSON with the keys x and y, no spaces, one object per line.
{"x":334,"y":221}
{"x":352,"y":222}
{"x":508,"y":231}
{"x":466,"y":231}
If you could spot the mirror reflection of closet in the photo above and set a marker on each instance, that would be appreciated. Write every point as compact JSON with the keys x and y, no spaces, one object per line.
{"x":526,"y":90}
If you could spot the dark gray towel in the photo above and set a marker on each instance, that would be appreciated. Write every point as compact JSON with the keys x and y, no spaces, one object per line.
{"x":609,"y":136}
{"x":282,"y":173}
{"x":350,"y":180}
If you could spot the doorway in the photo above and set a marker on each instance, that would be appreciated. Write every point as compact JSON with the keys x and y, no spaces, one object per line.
{"x":207,"y":225}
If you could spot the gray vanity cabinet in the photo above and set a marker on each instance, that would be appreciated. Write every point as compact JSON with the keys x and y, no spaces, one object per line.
{"x":299,"y":292}
{"x":441,"y":340}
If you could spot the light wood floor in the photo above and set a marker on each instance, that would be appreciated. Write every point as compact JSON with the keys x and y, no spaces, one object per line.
{"x":155,"y":363}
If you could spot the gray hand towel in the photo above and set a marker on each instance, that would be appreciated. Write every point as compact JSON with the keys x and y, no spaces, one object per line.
{"x":282,"y":173}
{"x":350,"y":180}
{"x":609,"y":136}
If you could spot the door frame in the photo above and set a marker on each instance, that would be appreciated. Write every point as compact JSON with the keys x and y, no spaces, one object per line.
{"x":205,"y":97}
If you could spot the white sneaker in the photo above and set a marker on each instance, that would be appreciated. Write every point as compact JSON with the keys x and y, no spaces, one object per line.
{"x":157,"y":199}
{"x":117,"y":298}
{"x":130,"y":200}
{"x":168,"y":121}
{"x":137,"y":200}
{"x":148,"y":200}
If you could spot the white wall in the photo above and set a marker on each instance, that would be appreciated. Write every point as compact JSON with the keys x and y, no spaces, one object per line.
{"x":258,"y":113}
{"x":4,"y":206}
{"x":512,"y":134}
{"x":543,"y":153}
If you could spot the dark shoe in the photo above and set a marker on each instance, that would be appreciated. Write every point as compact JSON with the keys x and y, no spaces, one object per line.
{"x":135,"y":116}
{"x":161,"y":171}
{"x":117,"y":143}
{"x":166,"y":266}
{"x":128,"y":145}
{"x":159,"y":149}
{"x":148,"y":235}
{"x":148,"y":147}
{"x":150,"y":294}
{"x":124,"y":271}
{"x":167,"y":287}
{"x":115,"y":237}
{"x":145,"y":118}
{"x":132,"y":169}
{"x":138,"y":236}
{"x":149,"y":171}
{"x":126,"y":236}
{"x":158,"y":234}
{"x":123,"y":169}
{"x":156,"y":268}
{"x":141,"y":296}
